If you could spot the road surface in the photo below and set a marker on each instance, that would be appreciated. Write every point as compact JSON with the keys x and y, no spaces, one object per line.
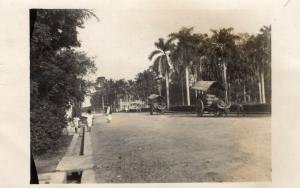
{"x":139,"y":148}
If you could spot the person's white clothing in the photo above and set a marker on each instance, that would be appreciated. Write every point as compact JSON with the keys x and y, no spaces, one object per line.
{"x":89,"y":119}
{"x":108,"y":110}
{"x":76,"y":121}
{"x":108,"y":115}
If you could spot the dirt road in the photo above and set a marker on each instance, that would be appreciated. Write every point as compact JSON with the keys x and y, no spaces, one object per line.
{"x":137,"y":147}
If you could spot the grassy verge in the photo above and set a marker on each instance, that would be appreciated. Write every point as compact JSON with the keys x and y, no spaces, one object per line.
{"x":48,"y":161}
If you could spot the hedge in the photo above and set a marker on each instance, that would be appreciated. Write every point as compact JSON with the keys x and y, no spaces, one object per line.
{"x":257,"y":108}
{"x":47,"y":121}
{"x":248,"y":108}
{"x":191,"y":108}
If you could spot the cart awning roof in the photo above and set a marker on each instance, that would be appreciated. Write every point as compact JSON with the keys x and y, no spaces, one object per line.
{"x":153,"y":96}
{"x":205,"y":85}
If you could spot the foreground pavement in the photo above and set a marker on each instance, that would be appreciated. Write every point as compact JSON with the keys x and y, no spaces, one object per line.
{"x":137,"y":147}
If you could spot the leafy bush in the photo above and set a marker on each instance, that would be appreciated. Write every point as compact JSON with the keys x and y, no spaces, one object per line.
{"x":183,"y":108}
{"x":145,"y":109}
{"x":47,"y":121}
{"x":248,"y":108}
{"x":56,"y":73}
{"x":257,"y":108}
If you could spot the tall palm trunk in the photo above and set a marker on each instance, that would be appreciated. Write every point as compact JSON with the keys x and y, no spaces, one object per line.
{"x":167,"y":88}
{"x":160,"y":67}
{"x":159,"y":87}
{"x":259,"y":83}
{"x":259,"y":87}
{"x":196,"y":79}
{"x":187,"y":85}
{"x":225,"y":81}
{"x":182,"y":91}
{"x":262,"y":79}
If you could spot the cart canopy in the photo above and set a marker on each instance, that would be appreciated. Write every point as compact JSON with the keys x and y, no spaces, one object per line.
{"x":206,"y":85}
{"x":154,"y":96}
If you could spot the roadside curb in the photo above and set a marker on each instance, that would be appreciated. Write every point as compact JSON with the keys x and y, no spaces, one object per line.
{"x":88,"y":175}
{"x":58,"y":177}
{"x":78,"y":158}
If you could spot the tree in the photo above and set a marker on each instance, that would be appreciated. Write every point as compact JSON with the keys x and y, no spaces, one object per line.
{"x":264,"y":57}
{"x":257,"y":51}
{"x":246,"y":72}
{"x":223,"y":51}
{"x":57,"y":72}
{"x":184,"y":54}
{"x":162,"y":63}
{"x":145,"y":84}
{"x":239,"y":61}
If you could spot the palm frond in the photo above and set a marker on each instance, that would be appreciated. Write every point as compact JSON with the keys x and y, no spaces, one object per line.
{"x":156,"y":64}
{"x":154,"y":53}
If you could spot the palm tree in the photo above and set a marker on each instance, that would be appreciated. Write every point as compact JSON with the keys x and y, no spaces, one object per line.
{"x":258,"y":54}
{"x":199,"y":44}
{"x":162,"y":63}
{"x":184,"y":54}
{"x":248,"y":51}
{"x":223,"y":48}
{"x":120,"y":90}
{"x":239,"y":71}
{"x":264,"y":56}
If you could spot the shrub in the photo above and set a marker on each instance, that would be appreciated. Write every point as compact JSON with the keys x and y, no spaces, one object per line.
{"x":145,"y":109}
{"x":47,"y":121}
{"x":248,"y":108}
{"x":183,"y":108}
{"x":257,"y":108}
{"x":57,"y":72}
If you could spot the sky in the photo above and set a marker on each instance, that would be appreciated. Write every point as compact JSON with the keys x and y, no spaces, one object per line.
{"x":124,"y":37}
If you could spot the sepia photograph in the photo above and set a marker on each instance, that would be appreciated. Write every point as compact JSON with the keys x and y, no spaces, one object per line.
{"x":147,"y":95}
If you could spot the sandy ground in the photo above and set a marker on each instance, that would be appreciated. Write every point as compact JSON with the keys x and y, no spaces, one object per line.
{"x":137,"y":147}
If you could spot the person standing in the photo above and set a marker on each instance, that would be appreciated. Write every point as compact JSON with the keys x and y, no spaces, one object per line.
{"x":200,"y":104}
{"x":151,"y":108}
{"x":89,"y":119}
{"x":108,"y":114}
{"x":76,"y":123}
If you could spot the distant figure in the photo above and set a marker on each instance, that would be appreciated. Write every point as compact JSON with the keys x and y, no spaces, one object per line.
{"x":200,"y":104}
{"x":151,"y":108}
{"x":89,"y":118}
{"x":76,"y":123}
{"x":108,"y":114}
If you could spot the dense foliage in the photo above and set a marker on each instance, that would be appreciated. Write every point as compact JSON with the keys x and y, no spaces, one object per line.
{"x":241,"y":62}
{"x":57,"y":73}
{"x":144,"y":84}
